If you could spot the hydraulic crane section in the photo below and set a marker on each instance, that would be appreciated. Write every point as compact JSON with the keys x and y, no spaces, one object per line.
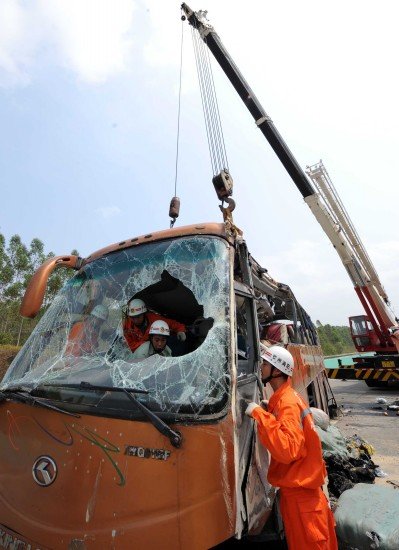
{"x":371,"y":333}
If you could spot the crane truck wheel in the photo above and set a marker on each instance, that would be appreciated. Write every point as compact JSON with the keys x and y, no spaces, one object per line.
{"x":376,"y":384}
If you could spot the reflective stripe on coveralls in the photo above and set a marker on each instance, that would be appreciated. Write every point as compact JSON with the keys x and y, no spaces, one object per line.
{"x":297,"y":467}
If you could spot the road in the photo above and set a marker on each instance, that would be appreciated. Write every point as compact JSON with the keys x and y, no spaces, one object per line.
{"x":371,"y":424}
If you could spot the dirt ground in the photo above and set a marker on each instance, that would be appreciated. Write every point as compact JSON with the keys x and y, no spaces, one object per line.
{"x":7,"y":354}
{"x":359,"y":417}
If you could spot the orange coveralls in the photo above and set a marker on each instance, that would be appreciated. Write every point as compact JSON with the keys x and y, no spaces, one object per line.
{"x":135,"y":336}
{"x":297,"y":467}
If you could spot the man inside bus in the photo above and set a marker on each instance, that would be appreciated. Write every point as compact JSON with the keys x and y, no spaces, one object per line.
{"x":137,"y":324}
{"x":286,"y":429}
{"x":83,"y":336}
{"x":158,"y":338}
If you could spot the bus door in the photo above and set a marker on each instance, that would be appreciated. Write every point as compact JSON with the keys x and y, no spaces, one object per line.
{"x":254,"y":494}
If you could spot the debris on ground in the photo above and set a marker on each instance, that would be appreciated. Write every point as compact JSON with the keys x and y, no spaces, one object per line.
{"x":383,"y":405}
{"x":357,"y":445}
{"x":381,"y":400}
{"x":393,"y":482}
{"x":346,"y":411}
{"x":332,"y":442}
{"x":343,"y":473}
{"x":348,"y":460}
{"x":366,"y":517}
{"x":380,"y":473}
{"x":320,"y":418}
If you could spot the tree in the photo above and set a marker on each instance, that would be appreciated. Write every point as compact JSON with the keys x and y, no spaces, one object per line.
{"x":17,"y":265}
{"x":335,"y":340}
{"x":6,"y":272}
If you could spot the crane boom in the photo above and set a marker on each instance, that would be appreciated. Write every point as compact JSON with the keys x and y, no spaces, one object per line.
{"x":325,"y":188}
{"x":263,"y":121}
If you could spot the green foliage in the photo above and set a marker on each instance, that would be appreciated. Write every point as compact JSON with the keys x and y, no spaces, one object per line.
{"x":18,"y":263}
{"x":335,"y":340}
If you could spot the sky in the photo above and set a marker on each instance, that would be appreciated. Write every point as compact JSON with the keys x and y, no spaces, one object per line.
{"x":88,"y":110}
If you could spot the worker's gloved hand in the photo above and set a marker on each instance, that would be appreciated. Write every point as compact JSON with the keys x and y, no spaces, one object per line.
{"x":250,"y":408}
{"x":181,"y":336}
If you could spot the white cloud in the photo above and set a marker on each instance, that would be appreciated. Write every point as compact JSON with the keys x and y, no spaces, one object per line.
{"x":17,"y":43}
{"x":108,"y":212}
{"x":92,"y":38}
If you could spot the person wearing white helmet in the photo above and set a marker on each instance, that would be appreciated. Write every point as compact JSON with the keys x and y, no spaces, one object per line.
{"x":285,"y":427}
{"x":158,"y":337}
{"x":83,"y":336}
{"x":136,"y":326}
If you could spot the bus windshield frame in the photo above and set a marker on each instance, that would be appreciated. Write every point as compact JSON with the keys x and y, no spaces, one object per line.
{"x":186,"y":279}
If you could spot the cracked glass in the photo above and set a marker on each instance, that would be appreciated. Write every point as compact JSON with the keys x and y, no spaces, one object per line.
{"x":81,"y":336}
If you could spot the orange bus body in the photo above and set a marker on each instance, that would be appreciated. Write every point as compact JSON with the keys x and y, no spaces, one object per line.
{"x":118,"y":482}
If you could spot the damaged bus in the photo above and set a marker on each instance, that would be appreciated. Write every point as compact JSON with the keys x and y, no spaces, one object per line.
{"x":101,"y":450}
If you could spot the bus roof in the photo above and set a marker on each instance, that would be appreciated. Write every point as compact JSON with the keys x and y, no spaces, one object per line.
{"x":209,"y":228}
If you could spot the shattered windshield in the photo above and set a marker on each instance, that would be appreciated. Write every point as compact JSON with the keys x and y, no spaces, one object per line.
{"x":153,"y":317}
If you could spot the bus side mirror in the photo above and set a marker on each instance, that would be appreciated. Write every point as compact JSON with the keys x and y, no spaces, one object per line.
{"x":34,"y":294}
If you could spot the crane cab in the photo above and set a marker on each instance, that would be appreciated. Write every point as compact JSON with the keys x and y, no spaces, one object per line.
{"x":363,"y":333}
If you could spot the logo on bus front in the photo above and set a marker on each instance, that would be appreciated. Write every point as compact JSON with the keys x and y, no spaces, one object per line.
{"x":44,"y":471}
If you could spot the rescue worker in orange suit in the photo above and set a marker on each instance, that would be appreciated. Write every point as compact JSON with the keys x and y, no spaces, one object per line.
{"x":83,"y":336}
{"x":136,"y":326}
{"x":286,"y":429}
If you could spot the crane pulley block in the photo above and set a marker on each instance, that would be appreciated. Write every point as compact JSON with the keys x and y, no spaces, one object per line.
{"x":223,"y":184}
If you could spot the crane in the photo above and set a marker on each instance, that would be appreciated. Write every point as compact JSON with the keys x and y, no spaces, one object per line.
{"x":378,"y":330}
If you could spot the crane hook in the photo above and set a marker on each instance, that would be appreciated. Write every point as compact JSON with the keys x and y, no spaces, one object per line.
{"x":231,"y":205}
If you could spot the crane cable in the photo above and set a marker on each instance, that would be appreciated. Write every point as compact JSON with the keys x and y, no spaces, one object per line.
{"x":174,"y":207}
{"x":178,"y":111}
{"x":214,"y":131}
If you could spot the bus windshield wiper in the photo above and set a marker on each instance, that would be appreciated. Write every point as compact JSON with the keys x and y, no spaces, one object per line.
{"x":173,"y":435}
{"x":24,"y":395}
{"x":87,"y":386}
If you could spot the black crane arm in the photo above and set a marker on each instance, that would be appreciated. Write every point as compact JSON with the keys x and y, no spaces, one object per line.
{"x":262,"y":119}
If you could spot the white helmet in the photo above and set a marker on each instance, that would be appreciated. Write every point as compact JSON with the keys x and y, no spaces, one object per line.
{"x":101,"y":312}
{"x":279,"y":357}
{"x":159,"y":327}
{"x":136,"y":307}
